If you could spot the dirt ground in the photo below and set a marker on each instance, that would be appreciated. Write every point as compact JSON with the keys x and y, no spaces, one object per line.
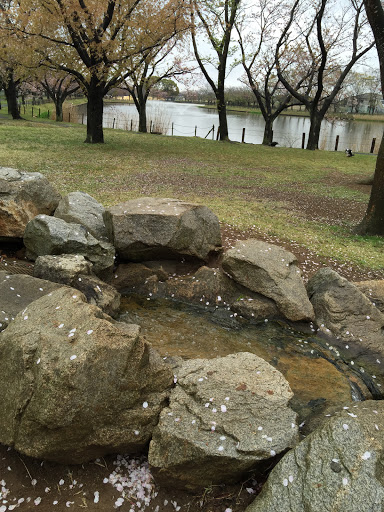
{"x":28,"y":484}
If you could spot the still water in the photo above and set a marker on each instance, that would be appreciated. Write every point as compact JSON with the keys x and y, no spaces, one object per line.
{"x":188,"y":119}
{"x":318,"y":375}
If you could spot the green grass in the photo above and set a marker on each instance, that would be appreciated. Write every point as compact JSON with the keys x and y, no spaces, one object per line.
{"x":224,"y":177}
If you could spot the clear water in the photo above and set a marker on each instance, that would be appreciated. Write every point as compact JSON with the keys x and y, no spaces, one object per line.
{"x":178,"y":330}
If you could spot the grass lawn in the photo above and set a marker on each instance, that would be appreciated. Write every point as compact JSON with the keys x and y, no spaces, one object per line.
{"x":303,"y":199}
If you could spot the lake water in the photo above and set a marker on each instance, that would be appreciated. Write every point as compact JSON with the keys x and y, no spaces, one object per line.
{"x":187,"y":119}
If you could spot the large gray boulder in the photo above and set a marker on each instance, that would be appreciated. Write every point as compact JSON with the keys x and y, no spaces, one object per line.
{"x":153,"y":228}
{"x":75,"y":271}
{"x":271,"y":271}
{"x":345,"y":310}
{"x":17,"y":292}
{"x":339,"y":467}
{"x":23,"y":195}
{"x":76,"y":386}
{"x":51,"y":236}
{"x":81,"y":208}
{"x":226,"y":416}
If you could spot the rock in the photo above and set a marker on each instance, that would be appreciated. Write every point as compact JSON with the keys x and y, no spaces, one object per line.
{"x":337,"y":467}
{"x":153,"y":228}
{"x":17,"y":292}
{"x":23,"y":195}
{"x":76,"y":386}
{"x":374,"y":290}
{"x":226,"y":416}
{"x":271,"y":271}
{"x":207,"y":286}
{"x":51,"y":236}
{"x":132,"y":277}
{"x":81,"y":208}
{"x":343,"y":309}
{"x":76,"y":271}
{"x":62,"y":269}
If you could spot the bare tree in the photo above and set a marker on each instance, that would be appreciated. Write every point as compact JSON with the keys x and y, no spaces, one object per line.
{"x":158,"y":65}
{"x":258,"y":57}
{"x":327,"y":41}
{"x":215,"y":19}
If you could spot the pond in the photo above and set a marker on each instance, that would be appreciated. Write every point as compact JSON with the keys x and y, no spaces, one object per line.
{"x":317,"y":372}
{"x":186,"y":119}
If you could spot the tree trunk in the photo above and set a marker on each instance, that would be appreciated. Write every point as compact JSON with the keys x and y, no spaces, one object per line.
{"x":222,"y":111}
{"x":268,"y":132}
{"x":95,"y":95}
{"x":373,"y":221}
{"x":143,"y":118}
{"x":314,"y":131}
{"x":10,"y":90}
{"x":59,"y":110}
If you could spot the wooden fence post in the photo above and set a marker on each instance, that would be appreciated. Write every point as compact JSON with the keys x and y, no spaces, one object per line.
{"x":243,"y":136}
{"x":337,"y":142}
{"x":303,"y":141}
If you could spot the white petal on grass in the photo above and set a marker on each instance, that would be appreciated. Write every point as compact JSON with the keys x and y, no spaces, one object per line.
{"x":366,"y":455}
{"x":73,"y":357}
{"x":145,"y":405}
{"x":96,"y":497}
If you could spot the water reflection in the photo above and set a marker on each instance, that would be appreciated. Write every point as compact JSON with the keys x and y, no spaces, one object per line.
{"x":182,"y":119}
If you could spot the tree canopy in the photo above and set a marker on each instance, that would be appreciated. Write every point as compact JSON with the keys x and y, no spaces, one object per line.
{"x":99,"y":42}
